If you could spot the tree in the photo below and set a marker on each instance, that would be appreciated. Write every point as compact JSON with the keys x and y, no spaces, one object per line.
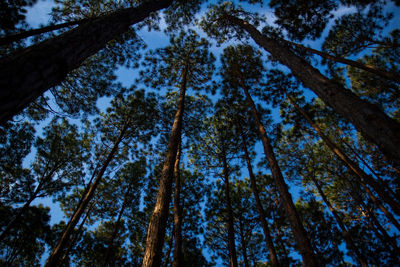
{"x":188,"y":64}
{"x":377,"y":128}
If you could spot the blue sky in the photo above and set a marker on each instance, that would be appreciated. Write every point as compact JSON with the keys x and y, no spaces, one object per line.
{"x":38,"y":14}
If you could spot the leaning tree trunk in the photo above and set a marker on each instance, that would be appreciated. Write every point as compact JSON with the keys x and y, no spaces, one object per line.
{"x":347,"y":236}
{"x":178,"y":215}
{"x":372,"y":69}
{"x":361,"y":177}
{"x":231,"y":231}
{"x":110,"y":246}
{"x":300,"y":234}
{"x":243,"y":243}
{"x":55,"y":256}
{"x":367,"y":118}
{"x":158,"y":220}
{"x":26,"y":75}
{"x":262,"y":216}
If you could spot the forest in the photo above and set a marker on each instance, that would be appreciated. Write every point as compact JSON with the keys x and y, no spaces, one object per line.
{"x":200,"y":133}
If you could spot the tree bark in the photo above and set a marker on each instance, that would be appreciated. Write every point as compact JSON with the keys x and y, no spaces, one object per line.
{"x":110,"y":246}
{"x":367,"y":118}
{"x":372,"y":69}
{"x":244,"y":247}
{"x":262,"y":216}
{"x":231,"y":231}
{"x":56,"y":254}
{"x":360,"y":175}
{"x":178,"y":216}
{"x":25,"y":34}
{"x":26,"y":75}
{"x":158,"y":220}
{"x":339,"y":221}
{"x":300,"y":234}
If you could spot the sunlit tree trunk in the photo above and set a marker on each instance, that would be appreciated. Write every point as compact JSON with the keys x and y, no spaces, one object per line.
{"x":158,"y":220}
{"x":177,"y":260}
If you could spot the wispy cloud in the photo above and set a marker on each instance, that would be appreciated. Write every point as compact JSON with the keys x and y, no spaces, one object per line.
{"x":39,"y":13}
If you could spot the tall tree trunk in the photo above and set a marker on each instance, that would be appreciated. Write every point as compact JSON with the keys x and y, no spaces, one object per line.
{"x":372,"y":69}
{"x":339,"y":221}
{"x":76,"y":236}
{"x":243,"y":243}
{"x":177,"y":260}
{"x":361,"y":177}
{"x":300,"y":234}
{"x":56,"y":254}
{"x":231,"y":231}
{"x":158,"y":220}
{"x":260,"y":208}
{"x":26,"y":75}
{"x":110,"y":246}
{"x":25,"y":34}
{"x":373,"y":123}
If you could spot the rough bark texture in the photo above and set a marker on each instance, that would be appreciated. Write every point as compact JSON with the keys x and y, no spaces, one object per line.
{"x":231,"y":231}
{"x":158,"y":220}
{"x":110,"y":246}
{"x":260,"y":208}
{"x":373,"y":123}
{"x":26,"y":75}
{"x":54,"y":258}
{"x":25,"y":34}
{"x":303,"y":243}
{"x":372,"y":69}
{"x":177,"y":260}
{"x":339,"y":221}
{"x":361,"y":177}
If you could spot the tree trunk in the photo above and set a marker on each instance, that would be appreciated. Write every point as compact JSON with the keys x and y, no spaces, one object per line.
{"x":158,"y":220}
{"x":360,"y":175}
{"x":244,"y":247}
{"x":25,"y":34}
{"x":231,"y":231}
{"x":303,"y":243}
{"x":177,"y":258}
{"x":339,"y":221}
{"x":26,"y":75}
{"x":116,"y":228}
{"x":300,"y":234}
{"x":76,"y":236}
{"x":264,"y":223}
{"x":372,"y":69}
{"x":374,"y":124}
{"x":55,"y":256}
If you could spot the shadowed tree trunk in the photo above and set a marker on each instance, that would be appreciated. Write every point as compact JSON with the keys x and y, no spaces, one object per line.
{"x":367,"y":118}
{"x":361,"y":177}
{"x":262,"y":216}
{"x":243,"y":243}
{"x":300,"y":234}
{"x":56,"y":254}
{"x":339,"y":221}
{"x":231,"y":231}
{"x":27,"y":74}
{"x":110,"y":246}
{"x":158,"y":220}
{"x":177,"y":261}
